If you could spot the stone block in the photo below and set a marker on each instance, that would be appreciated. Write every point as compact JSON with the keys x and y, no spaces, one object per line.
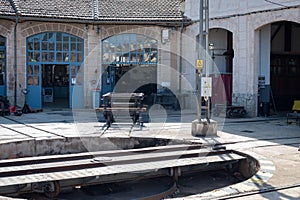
{"x":202,"y":128}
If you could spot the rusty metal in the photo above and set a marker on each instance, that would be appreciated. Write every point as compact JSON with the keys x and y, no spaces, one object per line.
{"x":49,"y":174}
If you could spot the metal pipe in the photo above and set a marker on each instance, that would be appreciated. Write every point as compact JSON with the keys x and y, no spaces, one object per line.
{"x":199,"y":73}
{"x":15,"y":60}
{"x":180,"y":57}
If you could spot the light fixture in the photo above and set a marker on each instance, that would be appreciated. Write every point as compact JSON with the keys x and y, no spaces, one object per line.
{"x":86,"y":27}
{"x":98,"y":29}
{"x":164,"y":36}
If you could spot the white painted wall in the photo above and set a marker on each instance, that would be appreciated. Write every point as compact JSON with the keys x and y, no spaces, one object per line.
{"x":221,"y":8}
{"x":264,"y":53}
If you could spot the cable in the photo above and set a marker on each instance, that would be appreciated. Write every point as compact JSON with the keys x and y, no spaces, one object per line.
{"x":278,"y":4}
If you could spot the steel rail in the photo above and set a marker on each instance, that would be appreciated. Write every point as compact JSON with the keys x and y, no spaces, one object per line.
{"x":30,"y":126}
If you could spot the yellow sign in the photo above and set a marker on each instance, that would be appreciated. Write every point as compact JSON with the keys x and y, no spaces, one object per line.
{"x":199,"y":64}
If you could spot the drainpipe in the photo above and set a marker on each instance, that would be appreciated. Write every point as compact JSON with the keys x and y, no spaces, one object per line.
{"x":15,"y":60}
{"x":180,"y":58}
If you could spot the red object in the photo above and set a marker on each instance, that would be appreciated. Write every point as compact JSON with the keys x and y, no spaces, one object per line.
{"x":12,"y":109}
{"x":222,"y":89}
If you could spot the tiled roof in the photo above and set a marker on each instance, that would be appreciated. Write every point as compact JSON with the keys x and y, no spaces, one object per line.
{"x":139,"y":9}
{"x":97,"y":10}
{"x":78,"y":9}
{"x":6,"y":8}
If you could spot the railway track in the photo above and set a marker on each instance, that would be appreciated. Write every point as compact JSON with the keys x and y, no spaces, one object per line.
{"x":51,"y":174}
{"x":27,"y":129}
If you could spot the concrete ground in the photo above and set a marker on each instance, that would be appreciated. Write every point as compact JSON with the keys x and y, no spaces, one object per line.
{"x":269,"y":139}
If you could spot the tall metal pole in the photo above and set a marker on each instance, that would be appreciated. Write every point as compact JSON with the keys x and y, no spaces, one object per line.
{"x":206,"y":8}
{"x":199,"y":71}
{"x":203,"y":54}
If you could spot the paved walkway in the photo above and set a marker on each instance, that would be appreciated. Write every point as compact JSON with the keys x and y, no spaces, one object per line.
{"x":270,"y":140}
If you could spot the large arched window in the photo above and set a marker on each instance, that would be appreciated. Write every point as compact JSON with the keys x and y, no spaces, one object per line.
{"x":129,"y":49}
{"x":124,"y":52}
{"x":54,"y":47}
{"x":2,"y":65}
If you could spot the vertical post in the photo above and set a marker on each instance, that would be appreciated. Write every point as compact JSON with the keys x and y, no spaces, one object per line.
{"x":206,"y":8}
{"x":15,"y":60}
{"x":199,"y":71}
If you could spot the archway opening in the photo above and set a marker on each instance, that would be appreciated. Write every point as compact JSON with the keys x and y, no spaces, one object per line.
{"x":285,"y":64}
{"x":221,"y":50}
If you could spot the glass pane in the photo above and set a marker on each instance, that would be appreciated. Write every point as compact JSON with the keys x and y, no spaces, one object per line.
{"x":59,"y":57}
{"x":66,"y":46}
{"x":66,"y":38}
{"x":73,"y":57}
{"x":79,"y":47}
{"x":36,"y":57}
{"x":105,"y":57}
{"x":30,"y":45}
{"x":36,"y":70}
{"x":73,"y":39}
{"x":2,"y":79}
{"x":51,"y":57}
{"x":66,"y":57}
{"x":73,"y":46}
{"x":73,"y":71}
{"x":79,"y":57}
{"x":35,"y":80}
{"x":30,"y":80}
{"x":2,"y":41}
{"x":37,"y":46}
{"x":51,"y":46}
{"x":59,"y":36}
{"x":44,"y":56}
{"x":59,"y":46}
{"x":30,"y":57}
{"x":44,"y":45}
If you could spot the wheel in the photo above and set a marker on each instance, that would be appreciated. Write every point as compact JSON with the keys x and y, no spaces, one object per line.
{"x":51,"y":189}
{"x":229,"y":113}
{"x":243,"y":113}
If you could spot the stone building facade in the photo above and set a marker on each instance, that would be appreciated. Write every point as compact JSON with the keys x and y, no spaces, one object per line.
{"x":251,"y":42}
{"x":261,"y":33}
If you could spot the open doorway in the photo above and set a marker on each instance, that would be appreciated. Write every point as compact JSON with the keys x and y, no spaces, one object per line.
{"x":55,"y":86}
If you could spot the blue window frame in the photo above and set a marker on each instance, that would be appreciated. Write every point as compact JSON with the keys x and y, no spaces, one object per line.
{"x":129,"y":49}
{"x":2,"y":66}
{"x":53,"y":49}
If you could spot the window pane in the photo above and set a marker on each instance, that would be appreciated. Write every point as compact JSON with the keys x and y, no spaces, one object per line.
{"x":79,"y":57}
{"x":79,"y":47}
{"x":73,"y":46}
{"x":30,"y":80}
{"x":59,"y":46}
{"x":59,"y":57}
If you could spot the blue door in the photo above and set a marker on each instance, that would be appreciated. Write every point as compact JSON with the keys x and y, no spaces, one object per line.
{"x":34,"y":87}
{"x":76,"y":87}
{"x":2,"y":67}
{"x":108,"y":79}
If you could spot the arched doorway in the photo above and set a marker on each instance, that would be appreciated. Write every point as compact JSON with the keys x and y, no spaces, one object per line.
{"x":129,"y":64}
{"x":2,"y":66}
{"x":285,"y":63}
{"x":54,"y":69}
{"x":222,"y":53}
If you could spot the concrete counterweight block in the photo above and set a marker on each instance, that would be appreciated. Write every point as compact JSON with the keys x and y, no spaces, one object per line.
{"x":203,"y":128}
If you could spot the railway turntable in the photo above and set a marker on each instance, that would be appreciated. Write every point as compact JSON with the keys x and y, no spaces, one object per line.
{"x":52,"y":174}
